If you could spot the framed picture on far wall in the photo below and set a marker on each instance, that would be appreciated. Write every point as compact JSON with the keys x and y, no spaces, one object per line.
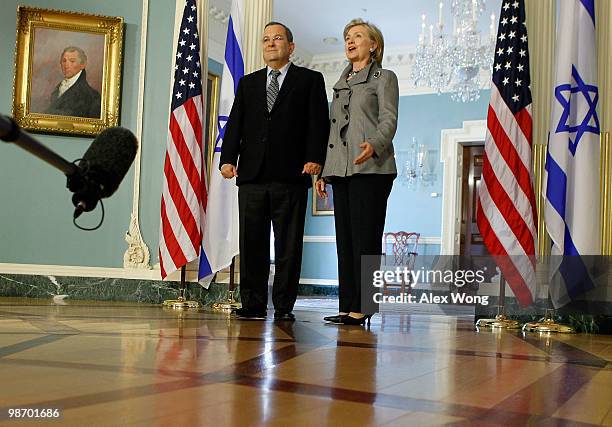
{"x":67,"y":71}
{"x":212,"y":121}
{"x":321,"y":206}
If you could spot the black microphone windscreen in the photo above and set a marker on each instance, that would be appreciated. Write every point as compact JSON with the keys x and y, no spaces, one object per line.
{"x":109,"y":158}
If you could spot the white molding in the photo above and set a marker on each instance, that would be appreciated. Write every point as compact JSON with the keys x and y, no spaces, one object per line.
{"x":319,"y":282}
{"x":79,"y":271}
{"x":216,"y":50}
{"x":137,"y":254}
{"x":319,"y":239}
{"x":301,"y":57}
{"x":332,"y":239}
{"x":218,"y":14}
{"x":452,"y":157}
{"x":218,"y":20}
{"x":429,"y":240}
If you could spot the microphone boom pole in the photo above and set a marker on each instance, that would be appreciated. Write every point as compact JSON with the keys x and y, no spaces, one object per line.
{"x":10,"y":132}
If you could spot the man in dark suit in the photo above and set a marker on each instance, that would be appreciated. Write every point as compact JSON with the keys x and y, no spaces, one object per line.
{"x":73,"y":96}
{"x":274,"y":140}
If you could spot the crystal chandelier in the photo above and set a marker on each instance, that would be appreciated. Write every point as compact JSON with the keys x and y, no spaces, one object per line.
{"x":452,"y":62}
{"x":463,"y":9}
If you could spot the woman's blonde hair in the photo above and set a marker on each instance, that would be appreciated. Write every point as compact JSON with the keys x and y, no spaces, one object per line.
{"x":375,"y":35}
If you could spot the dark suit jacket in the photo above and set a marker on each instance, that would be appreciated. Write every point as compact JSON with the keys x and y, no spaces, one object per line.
{"x":81,"y":100}
{"x":275,"y":146}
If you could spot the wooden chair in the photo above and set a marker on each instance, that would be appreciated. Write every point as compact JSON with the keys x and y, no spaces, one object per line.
{"x":400,"y":250}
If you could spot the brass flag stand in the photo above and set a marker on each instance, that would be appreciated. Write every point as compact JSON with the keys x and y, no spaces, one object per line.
{"x":230,"y":304}
{"x":181,"y":303}
{"x":548,"y":324}
{"x":500,"y":321}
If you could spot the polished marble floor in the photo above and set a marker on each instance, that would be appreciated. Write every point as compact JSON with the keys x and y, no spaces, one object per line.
{"x":116,"y":364}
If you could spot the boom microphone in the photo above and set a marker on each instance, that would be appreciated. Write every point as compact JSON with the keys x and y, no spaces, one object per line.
{"x":99,"y":172}
{"x":103,"y":167}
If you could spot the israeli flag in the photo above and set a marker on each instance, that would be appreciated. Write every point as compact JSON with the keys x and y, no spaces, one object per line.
{"x":220,"y":237}
{"x":571,"y":180}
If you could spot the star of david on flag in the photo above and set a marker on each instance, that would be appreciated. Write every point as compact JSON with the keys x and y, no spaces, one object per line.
{"x":221,"y":122}
{"x":570,"y":96}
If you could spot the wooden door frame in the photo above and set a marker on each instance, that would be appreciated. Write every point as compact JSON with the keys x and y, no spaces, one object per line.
{"x":452,"y":157}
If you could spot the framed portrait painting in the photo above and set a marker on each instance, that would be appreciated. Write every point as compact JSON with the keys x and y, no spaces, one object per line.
{"x":67,"y":71}
{"x":321,"y":206}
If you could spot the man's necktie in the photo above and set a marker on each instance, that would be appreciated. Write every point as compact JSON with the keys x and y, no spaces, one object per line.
{"x":272,"y":89}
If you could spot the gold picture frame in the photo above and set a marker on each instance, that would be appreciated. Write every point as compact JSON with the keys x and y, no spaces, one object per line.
{"x":322,"y":206}
{"x":67,"y":71}
{"x":210,"y":127}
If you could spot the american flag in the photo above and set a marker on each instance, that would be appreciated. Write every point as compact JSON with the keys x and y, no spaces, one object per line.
{"x":184,"y":186}
{"x":506,"y":214}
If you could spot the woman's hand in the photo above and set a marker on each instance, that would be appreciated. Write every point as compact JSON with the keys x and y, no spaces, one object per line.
{"x":320,"y":187}
{"x":366,"y":154}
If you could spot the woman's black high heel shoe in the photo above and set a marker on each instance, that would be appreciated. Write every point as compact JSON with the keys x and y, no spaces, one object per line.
{"x":335,"y":319}
{"x":348,"y":320}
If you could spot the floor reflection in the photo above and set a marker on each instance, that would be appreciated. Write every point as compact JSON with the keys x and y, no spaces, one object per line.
{"x":130,"y":364}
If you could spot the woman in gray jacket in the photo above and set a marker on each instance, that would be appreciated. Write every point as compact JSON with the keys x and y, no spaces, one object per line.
{"x":360,"y":162}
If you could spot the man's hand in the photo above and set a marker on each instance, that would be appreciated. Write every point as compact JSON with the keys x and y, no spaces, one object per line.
{"x":228,"y":171}
{"x":320,"y":187}
{"x":312,"y":168}
{"x":366,"y":154}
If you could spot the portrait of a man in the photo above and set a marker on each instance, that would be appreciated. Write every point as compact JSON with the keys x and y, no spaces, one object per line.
{"x":67,"y":73}
{"x":73,"y":96}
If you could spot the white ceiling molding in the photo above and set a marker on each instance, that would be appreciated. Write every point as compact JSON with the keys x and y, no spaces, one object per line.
{"x":218,"y":19}
{"x":218,"y":14}
{"x":301,"y":57}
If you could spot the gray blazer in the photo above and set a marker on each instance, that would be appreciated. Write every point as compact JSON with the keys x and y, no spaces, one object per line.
{"x":364,"y":109}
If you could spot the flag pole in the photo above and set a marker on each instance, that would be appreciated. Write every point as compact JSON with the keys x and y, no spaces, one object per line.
{"x":230,"y":304}
{"x":500,"y":321}
{"x":181,"y":303}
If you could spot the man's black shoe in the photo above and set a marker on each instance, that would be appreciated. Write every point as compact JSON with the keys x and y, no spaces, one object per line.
{"x":248,"y":314}
{"x":284,"y":317}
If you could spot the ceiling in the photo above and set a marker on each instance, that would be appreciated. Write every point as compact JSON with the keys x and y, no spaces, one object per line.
{"x":399,"y":20}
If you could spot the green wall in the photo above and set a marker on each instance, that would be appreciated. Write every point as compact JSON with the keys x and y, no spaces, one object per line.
{"x":35,"y":209}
